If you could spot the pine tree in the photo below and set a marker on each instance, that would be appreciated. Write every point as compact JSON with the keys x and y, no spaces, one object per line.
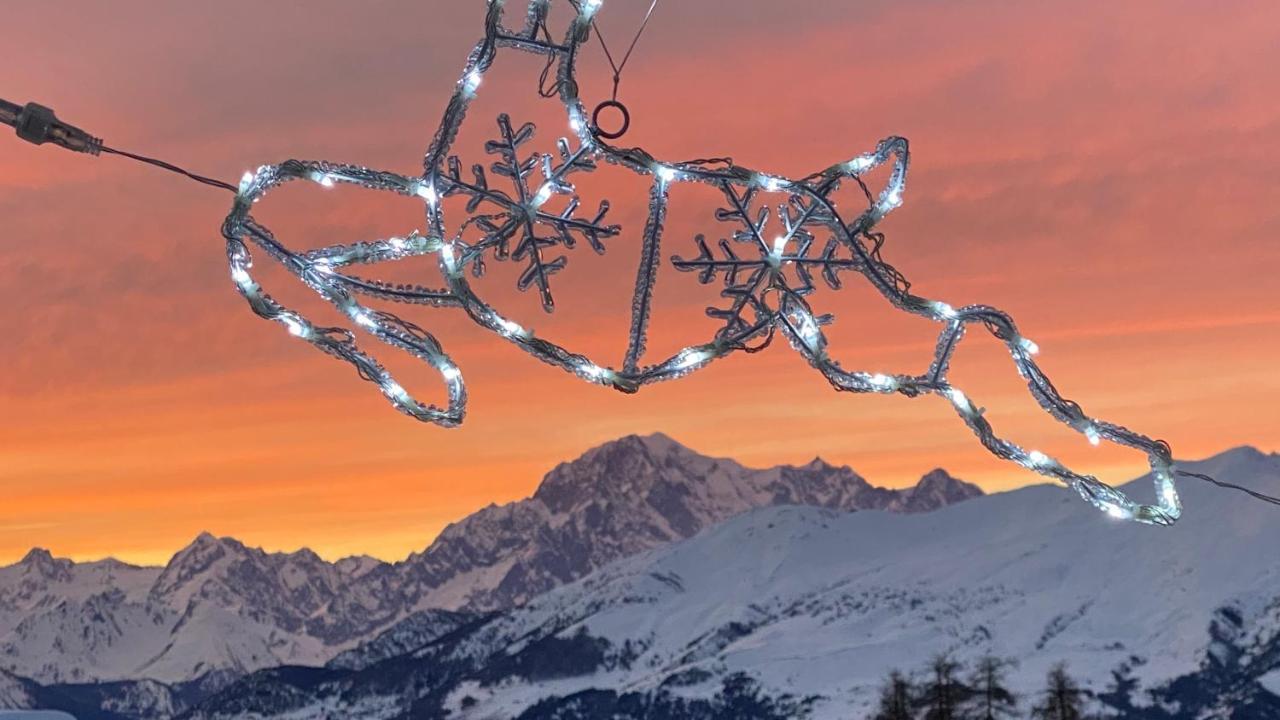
{"x":895,"y":699}
{"x":943,"y":694}
{"x":991,"y":700}
{"x":1062,"y":698}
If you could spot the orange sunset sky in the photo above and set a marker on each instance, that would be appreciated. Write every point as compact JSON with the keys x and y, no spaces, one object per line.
{"x":1105,"y":172}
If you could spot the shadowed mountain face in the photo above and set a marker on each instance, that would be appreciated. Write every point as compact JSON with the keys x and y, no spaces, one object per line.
{"x":783,"y":610}
{"x":220,"y":609}
{"x":622,"y":498}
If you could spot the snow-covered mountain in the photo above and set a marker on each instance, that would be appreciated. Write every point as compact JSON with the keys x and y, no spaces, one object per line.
{"x":621,"y":498}
{"x":220,"y":609}
{"x":818,"y":605}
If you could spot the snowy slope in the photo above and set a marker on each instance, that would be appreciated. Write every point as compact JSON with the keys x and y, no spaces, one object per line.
{"x":813,"y":602}
{"x":221,"y":607}
{"x":217,"y":606}
{"x":619,"y":499}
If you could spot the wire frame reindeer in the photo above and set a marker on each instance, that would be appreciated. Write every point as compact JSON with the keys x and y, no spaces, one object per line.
{"x":767,"y":277}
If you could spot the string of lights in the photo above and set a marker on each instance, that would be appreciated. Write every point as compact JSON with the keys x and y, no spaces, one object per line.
{"x":768,"y":269}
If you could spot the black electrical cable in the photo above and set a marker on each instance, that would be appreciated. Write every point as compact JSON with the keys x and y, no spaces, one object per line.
{"x":1252,"y":493}
{"x":172,"y":168}
{"x":38,"y":125}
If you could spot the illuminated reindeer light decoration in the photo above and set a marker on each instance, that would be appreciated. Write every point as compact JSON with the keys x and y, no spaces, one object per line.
{"x":767,"y":276}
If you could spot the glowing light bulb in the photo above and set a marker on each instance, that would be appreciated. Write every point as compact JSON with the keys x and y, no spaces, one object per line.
{"x":772,"y":184}
{"x":860,"y":163}
{"x":296,"y":328}
{"x":945,"y":310}
{"x":884,"y":382}
{"x":689,"y":358}
{"x":594,"y":371}
{"x":472,"y":81}
{"x":544,"y":194}
{"x":396,"y":390}
{"x":1029,"y":345}
{"x":891,"y":200}
{"x":450,"y":259}
{"x":245,"y":181}
{"x":665,"y":174}
{"x":1116,"y":511}
{"x":1092,"y":433}
{"x":958,"y":398}
{"x":427,"y":192}
{"x":451,"y":373}
{"x":511,"y":328}
{"x":1039,"y":459}
{"x":362,"y":318}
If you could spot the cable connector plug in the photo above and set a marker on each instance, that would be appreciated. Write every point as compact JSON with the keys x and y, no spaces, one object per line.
{"x":38,"y":125}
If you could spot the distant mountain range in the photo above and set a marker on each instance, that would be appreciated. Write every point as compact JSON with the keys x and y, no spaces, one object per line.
{"x":785,"y":612}
{"x":219,"y":609}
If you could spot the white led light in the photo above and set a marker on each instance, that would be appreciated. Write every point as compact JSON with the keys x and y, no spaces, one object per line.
{"x":362,"y":318}
{"x":240,"y":276}
{"x":511,"y":328}
{"x":450,"y":259}
{"x":689,"y":358}
{"x":665,"y":174}
{"x":958,"y":398}
{"x":860,"y":163}
{"x":427,"y":192}
{"x":594,"y":371}
{"x":945,"y":310}
{"x":886,"y":382}
{"x":770,"y":183}
{"x":296,"y":328}
{"x":473,"y":81}
{"x":1116,"y":511}
{"x":323,"y":178}
{"x":451,"y":373}
{"x":396,"y":390}
{"x":1029,"y":345}
{"x":1038,"y":459}
{"x":245,"y":181}
{"x":544,"y":194}
{"x":892,"y":199}
{"x":1092,"y":433}
{"x":590,"y":7}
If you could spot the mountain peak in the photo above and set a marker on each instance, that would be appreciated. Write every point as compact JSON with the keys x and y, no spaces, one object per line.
{"x":36,"y":555}
{"x":937,"y":488}
{"x":41,"y":562}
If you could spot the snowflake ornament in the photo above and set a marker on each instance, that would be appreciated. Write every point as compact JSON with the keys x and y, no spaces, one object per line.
{"x":769,"y":266}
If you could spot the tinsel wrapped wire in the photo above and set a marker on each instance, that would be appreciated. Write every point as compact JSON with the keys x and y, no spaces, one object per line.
{"x":767,"y":280}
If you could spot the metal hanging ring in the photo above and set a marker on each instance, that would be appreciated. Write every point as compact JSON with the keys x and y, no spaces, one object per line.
{"x":595,"y":120}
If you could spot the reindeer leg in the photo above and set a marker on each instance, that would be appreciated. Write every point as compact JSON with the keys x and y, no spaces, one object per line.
{"x":318,"y":270}
{"x":802,"y":329}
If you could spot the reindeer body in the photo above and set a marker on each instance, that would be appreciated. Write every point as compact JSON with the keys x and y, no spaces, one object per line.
{"x":766,"y":281}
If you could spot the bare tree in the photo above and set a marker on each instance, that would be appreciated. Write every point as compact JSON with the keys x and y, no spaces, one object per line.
{"x":943,"y":694}
{"x":1062,"y":697}
{"x":895,"y":699}
{"x":991,"y":700}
